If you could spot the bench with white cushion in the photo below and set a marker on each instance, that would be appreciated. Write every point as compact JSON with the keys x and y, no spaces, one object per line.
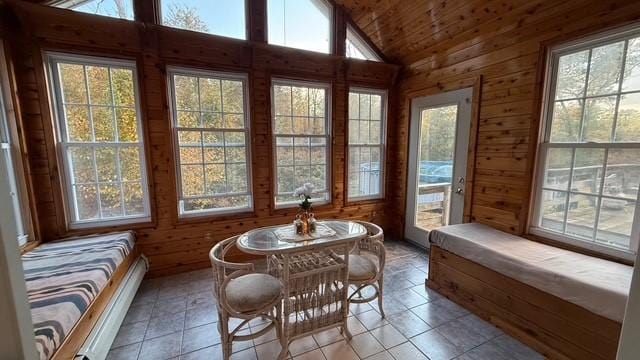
{"x":564,"y":304}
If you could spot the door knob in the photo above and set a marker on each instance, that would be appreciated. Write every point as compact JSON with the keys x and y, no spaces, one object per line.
{"x":459,"y":191}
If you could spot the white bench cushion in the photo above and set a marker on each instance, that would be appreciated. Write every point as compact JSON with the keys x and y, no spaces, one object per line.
{"x":595,"y":284}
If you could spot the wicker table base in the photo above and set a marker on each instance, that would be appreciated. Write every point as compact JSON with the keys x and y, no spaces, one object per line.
{"x":316,"y":284}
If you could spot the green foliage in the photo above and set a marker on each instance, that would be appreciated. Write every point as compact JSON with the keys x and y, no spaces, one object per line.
{"x":438,"y":133}
{"x":185,"y":17}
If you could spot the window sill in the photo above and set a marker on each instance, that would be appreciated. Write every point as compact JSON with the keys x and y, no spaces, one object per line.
{"x":292,"y":209}
{"x":580,"y":246}
{"x":211,"y":217}
{"x":110,"y":224}
{"x":365,"y":200}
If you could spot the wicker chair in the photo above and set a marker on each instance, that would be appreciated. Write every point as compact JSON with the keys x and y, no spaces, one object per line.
{"x":366,"y":265}
{"x":242,"y":293}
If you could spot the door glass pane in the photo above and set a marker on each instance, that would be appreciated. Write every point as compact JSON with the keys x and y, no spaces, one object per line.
{"x":435,"y":166}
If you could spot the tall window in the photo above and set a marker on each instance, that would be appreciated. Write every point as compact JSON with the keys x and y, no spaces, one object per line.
{"x":302,"y":134}
{"x":218,"y":17}
{"x":357,"y":48}
{"x":301,"y":24}
{"x":100,"y":140}
{"x":211,"y":124}
{"x":367,"y":115}
{"x":10,"y":168}
{"x":590,"y":156}
{"x":122,"y":9}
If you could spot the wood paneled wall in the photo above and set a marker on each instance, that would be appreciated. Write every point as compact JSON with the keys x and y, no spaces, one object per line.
{"x":171,"y":244}
{"x":447,"y":45}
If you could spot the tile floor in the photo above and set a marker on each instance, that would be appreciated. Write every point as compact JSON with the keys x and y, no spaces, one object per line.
{"x":175,"y":318}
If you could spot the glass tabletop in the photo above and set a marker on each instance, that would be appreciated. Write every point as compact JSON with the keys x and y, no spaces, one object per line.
{"x":265,"y":241}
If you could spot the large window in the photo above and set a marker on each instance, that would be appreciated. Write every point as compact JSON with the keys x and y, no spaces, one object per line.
{"x":100,"y":140}
{"x":301,"y":24}
{"x":218,"y":17}
{"x":10,"y":167}
{"x":301,"y":136}
{"x":357,"y":48}
{"x":212,"y":135}
{"x":367,"y":113}
{"x":122,"y":9}
{"x":590,"y":156}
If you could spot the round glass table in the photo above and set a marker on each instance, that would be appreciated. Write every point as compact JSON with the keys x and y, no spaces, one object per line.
{"x":270,"y":240}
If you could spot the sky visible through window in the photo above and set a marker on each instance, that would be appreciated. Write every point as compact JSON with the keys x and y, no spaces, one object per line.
{"x":122,"y":9}
{"x":301,"y":24}
{"x":219,"y":17}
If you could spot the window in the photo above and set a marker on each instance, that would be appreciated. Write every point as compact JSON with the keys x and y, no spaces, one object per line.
{"x":302,"y":134}
{"x":357,"y":48}
{"x":300,"y":24}
{"x":218,"y":17}
{"x":211,"y":125}
{"x":590,"y":156}
{"x":367,"y":113}
{"x":100,"y":140}
{"x":10,"y":168}
{"x":122,"y":9}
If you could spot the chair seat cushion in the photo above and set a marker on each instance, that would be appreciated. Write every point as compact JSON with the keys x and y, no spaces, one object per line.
{"x":361,"y":268}
{"x":251,"y":292}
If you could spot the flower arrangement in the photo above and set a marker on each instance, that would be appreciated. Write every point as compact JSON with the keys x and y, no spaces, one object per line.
{"x":304,"y":192}
{"x":305,"y":222}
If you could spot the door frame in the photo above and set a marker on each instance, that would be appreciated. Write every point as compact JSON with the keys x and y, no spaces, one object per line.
{"x":431,"y":100}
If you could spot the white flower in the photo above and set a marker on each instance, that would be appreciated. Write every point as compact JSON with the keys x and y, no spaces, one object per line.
{"x":304,"y":190}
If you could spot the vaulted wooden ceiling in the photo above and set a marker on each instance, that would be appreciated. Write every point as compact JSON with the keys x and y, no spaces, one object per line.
{"x":420,"y":33}
{"x":405,"y":31}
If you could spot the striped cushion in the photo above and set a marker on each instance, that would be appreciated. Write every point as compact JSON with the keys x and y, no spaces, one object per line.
{"x":64,"y":277}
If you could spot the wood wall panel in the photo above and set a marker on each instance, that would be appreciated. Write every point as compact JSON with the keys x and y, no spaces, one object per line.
{"x":174,"y":244}
{"x":445,"y":45}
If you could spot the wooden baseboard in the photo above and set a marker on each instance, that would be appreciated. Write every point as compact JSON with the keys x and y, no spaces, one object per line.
{"x":552,"y":326}
{"x":81,"y":330}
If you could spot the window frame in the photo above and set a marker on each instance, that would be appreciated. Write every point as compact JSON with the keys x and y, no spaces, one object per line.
{"x":9,"y":143}
{"x":382,"y":146}
{"x":352,"y":36}
{"x":244,"y":78}
{"x":548,"y":99}
{"x":332,"y":22}
{"x":160,"y":22}
{"x":71,"y":5}
{"x":327,"y":86}
{"x":61,"y":143}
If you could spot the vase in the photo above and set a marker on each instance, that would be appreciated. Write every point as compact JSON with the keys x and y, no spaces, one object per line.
{"x":303,"y":216}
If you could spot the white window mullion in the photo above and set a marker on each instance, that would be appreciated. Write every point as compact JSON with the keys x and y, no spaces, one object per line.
{"x":600,"y":192}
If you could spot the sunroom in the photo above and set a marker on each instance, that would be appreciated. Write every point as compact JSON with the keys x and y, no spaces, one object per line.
{"x":320,"y":179}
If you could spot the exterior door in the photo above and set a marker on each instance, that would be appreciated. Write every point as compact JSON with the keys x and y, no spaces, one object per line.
{"x":438,"y":145}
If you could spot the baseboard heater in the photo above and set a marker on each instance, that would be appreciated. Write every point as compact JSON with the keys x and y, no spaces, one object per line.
{"x":98,"y":343}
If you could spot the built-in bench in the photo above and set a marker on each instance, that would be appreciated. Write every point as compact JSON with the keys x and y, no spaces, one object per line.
{"x":564,"y":304}
{"x":79,"y":291}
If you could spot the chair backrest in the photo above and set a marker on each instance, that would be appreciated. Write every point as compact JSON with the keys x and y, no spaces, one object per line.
{"x":374,"y":232}
{"x":219,"y":265}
